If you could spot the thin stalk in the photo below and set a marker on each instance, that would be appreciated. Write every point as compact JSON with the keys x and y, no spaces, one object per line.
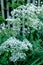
{"x":2,"y":8}
{"x":38,"y":2}
{"x":8,"y":14}
{"x":34,"y":2}
{"x":23,"y":27}
{"x":28,"y":1}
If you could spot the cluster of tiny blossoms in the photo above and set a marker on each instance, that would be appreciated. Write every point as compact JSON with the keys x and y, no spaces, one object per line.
{"x":28,"y":14}
{"x":16,"y":48}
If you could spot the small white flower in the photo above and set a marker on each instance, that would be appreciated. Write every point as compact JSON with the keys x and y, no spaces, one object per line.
{"x":3,"y":28}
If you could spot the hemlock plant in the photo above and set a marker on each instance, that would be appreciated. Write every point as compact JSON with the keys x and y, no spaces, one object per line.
{"x":29,"y":51}
{"x":26,"y":15}
{"x":16,"y":48}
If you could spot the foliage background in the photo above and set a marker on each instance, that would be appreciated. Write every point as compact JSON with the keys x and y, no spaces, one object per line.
{"x":35,"y":36}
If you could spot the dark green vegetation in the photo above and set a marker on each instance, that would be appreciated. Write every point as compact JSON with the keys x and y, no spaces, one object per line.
{"x":33,"y":33}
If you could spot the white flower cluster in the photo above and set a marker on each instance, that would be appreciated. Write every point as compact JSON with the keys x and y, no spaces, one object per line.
{"x":39,"y":10}
{"x":16,"y":48}
{"x":28,"y":12}
{"x":2,"y":26}
{"x":26,"y":15}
